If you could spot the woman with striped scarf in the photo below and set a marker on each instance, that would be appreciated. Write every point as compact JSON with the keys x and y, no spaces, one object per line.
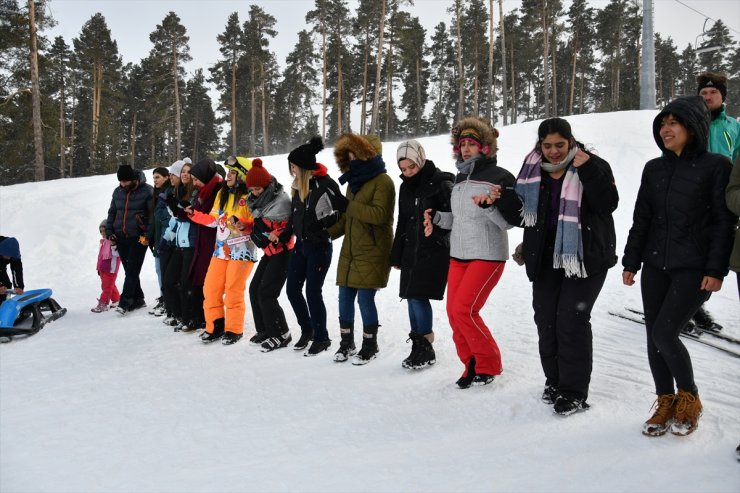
{"x":567,"y":198}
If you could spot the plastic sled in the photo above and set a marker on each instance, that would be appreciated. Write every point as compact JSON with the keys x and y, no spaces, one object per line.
{"x":27,"y":313}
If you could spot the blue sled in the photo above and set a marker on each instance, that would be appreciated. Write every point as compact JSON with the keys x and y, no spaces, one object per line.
{"x":36,"y":305}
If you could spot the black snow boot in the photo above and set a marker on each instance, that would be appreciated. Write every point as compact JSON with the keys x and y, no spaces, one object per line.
{"x":304,"y":341}
{"x":369,"y":349}
{"x":347,"y":344}
{"x":424,"y":353}
{"x":414,"y":338}
{"x":218,"y":332}
{"x":466,"y":381}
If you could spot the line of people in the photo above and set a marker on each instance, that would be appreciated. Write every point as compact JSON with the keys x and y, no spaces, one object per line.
{"x":451,"y":234}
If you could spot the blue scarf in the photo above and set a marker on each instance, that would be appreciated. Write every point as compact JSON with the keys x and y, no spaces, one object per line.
{"x":361,"y":172}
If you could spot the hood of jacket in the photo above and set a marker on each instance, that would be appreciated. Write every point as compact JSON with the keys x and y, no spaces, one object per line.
{"x":693,"y":112}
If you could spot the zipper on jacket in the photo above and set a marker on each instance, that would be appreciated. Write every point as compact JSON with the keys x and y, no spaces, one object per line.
{"x":125,"y":213}
{"x":667,"y":222}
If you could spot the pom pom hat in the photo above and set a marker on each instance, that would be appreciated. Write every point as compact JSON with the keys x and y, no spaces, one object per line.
{"x":304,"y":156}
{"x":258,"y":176}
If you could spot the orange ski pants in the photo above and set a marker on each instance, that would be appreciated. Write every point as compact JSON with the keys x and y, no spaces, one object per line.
{"x":223,"y":293}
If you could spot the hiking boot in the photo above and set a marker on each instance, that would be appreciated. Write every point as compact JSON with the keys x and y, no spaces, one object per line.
{"x":704,"y":321}
{"x":100,"y":307}
{"x":347,"y":344}
{"x":550,"y":394}
{"x":688,"y":411}
{"x":424,"y":353}
{"x":258,"y":338}
{"x":481,"y":379}
{"x":303,"y":341}
{"x":317,"y":347}
{"x":230,"y":338}
{"x":466,"y":380}
{"x":414,"y":338}
{"x":273,"y":343}
{"x":369,"y":349}
{"x":660,"y":421}
{"x":218,"y":332}
{"x":566,"y":405}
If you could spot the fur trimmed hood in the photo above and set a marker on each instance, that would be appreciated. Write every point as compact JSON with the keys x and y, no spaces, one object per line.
{"x":358,"y":145}
{"x":482,"y":127}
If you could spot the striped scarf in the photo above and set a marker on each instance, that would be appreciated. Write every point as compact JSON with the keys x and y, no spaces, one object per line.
{"x":568,"y":253}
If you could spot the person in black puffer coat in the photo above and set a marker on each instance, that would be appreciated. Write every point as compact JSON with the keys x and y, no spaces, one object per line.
{"x":314,"y":209}
{"x":131,"y":209}
{"x":423,"y":260}
{"x":681,"y":235}
{"x":559,"y":177}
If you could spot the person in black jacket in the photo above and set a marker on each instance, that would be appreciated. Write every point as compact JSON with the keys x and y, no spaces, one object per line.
{"x":422,"y":260}
{"x":681,"y":235}
{"x":10,"y":254}
{"x":314,"y":208}
{"x":566,"y":259}
{"x":130,"y":211}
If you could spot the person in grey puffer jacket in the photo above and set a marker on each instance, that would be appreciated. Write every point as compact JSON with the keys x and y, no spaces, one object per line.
{"x":479,"y":245}
{"x":129,"y":213}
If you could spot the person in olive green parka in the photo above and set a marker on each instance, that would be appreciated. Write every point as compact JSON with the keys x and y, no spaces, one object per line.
{"x":367,"y":226}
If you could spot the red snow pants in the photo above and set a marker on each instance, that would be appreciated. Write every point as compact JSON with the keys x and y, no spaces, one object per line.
{"x":468,"y":287}
{"x":109,"y":291}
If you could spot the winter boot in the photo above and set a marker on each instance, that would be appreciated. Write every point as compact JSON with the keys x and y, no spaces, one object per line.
{"x":100,"y":307}
{"x":304,"y":341}
{"x":369,"y":349}
{"x":347,"y":344}
{"x":705,"y":322}
{"x":170,"y":320}
{"x":550,"y":394}
{"x":317,"y":347}
{"x":688,"y":411}
{"x":218,"y":332}
{"x":230,"y":338}
{"x":188,"y":326}
{"x":273,"y":343}
{"x":414,"y":338}
{"x":157,"y":306}
{"x":424,"y":353}
{"x":660,"y":421}
{"x":466,"y":380}
{"x":567,"y":405}
{"x":258,"y":338}
{"x":481,"y":379}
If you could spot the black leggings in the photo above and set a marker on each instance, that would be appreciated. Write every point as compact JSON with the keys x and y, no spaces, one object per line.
{"x":670,"y":298}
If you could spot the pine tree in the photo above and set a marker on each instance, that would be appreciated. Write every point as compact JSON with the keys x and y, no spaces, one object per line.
{"x":200,"y":135}
{"x":442,"y":80}
{"x":667,"y":70}
{"x":59,"y":56}
{"x":717,"y":60}
{"x":413,"y":71}
{"x":580,"y":50}
{"x":224,"y":74}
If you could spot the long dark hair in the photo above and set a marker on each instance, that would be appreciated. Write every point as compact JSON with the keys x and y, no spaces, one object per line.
{"x":554,"y":126}
{"x":165,"y":173}
{"x":239,"y":190}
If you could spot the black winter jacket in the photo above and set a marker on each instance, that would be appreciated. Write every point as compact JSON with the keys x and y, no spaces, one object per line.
{"x":322,"y":190}
{"x":681,"y":220}
{"x":599,"y":201}
{"x":424,"y":261}
{"x":130,"y":210}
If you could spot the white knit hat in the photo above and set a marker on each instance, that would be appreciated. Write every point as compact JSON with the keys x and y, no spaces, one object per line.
{"x":176,"y":168}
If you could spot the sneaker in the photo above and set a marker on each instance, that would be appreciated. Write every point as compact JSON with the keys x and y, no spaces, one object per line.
{"x":303,"y":342}
{"x":662,"y":418}
{"x":208,"y":338}
{"x":688,"y":411}
{"x":317,"y":347}
{"x":550,"y":394}
{"x":100,"y":307}
{"x":273,"y":343}
{"x":466,"y":380}
{"x":258,"y":338}
{"x":230,"y":338}
{"x":481,"y":379}
{"x":565,"y":405}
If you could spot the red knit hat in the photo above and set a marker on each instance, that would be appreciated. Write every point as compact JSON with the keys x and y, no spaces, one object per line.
{"x":258,"y":176}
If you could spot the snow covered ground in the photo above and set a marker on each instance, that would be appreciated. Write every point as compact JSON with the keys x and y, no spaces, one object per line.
{"x":102,"y":403}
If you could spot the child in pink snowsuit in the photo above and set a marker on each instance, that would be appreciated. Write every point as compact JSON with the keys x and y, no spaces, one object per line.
{"x":108,"y":263}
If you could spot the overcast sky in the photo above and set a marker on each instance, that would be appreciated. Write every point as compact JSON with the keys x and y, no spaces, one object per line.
{"x":131,"y":21}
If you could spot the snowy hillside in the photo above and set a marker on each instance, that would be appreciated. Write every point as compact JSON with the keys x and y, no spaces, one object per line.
{"x":102,"y":403}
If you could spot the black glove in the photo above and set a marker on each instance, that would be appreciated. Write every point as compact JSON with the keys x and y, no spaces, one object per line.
{"x":341,"y":202}
{"x":172,"y":203}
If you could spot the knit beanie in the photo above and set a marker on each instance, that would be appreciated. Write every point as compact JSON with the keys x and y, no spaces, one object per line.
{"x":126,"y":173}
{"x":103,"y":223}
{"x":203,"y":170}
{"x":411,"y":149}
{"x":176,"y":168}
{"x":304,"y":156}
{"x":709,"y":79}
{"x":258,"y":176}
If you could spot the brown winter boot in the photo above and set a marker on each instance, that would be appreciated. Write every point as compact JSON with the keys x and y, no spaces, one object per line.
{"x":660,"y":421}
{"x":688,"y":410}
